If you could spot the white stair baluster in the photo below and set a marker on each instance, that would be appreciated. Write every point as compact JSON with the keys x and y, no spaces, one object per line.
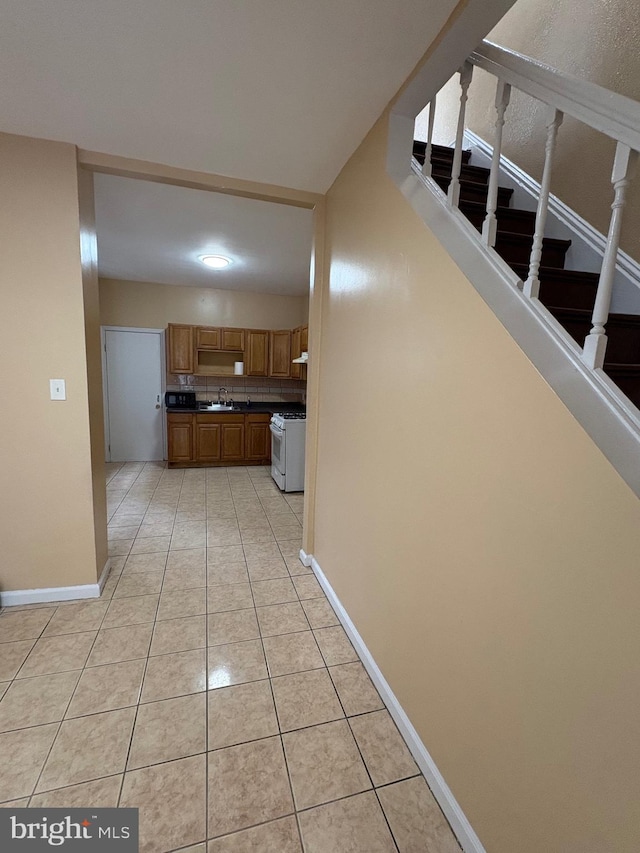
{"x":595,"y":345}
{"x":490,"y":224}
{"x":532,"y":284}
{"x":454,"y":187}
{"x":426,"y":166}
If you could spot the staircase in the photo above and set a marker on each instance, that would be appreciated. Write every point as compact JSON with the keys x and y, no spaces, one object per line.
{"x":569,"y":295}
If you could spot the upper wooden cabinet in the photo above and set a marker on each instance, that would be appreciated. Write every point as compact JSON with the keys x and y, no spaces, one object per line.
{"x":211,"y":338}
{"x":207,"y":338}
{"x":280,"y":354}
{"x":299,"y":344}
{"x":213,"y":351}
{"x":256,"y":355}
{"x":232,"y":339}
{"x":180,"y":349}
{"x":295,"y":353}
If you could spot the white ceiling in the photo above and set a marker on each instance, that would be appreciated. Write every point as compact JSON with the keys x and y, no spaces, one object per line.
{"x":281,"y":91}
{"x":155,"y":232}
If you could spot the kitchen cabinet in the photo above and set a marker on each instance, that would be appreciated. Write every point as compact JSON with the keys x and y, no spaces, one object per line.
{"x":211,"y":338}
{"x":257,"y":438}
{"x":216,"y":439}
{"x":207,"y":338}
{"x":299,"y":344}
{"x":213,"y":351}
{"x":295,"y":353}
{"x":232,"y":439}
{"x":256,"y":356}
{"x":207,"y":434}
{"x":180,"y":348}
{"x":280,"y":354}
{"x":180,"y":437}
{"x":232,"y":340}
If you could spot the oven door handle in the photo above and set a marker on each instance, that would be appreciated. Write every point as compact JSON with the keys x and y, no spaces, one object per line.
{"x":276,"y":430}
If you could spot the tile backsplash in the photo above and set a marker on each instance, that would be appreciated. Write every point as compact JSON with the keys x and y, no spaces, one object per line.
{"x":240,"y":387}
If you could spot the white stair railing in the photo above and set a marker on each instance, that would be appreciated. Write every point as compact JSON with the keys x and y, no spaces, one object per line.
{"x":426,"y":166}
{"x":454,"y":187}
{"x":490,"y":224}
{"x":595,"y":345}
{"x":614,"y":115}
{"x":553,"y":122}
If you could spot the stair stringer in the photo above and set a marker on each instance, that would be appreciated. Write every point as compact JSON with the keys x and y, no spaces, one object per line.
{"x":607,"y":416}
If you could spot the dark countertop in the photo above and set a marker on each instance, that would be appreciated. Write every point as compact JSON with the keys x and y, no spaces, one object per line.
{"x":244,"y":408}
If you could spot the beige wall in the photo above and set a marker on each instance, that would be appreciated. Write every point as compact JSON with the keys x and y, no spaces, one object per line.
{"x":150,"y":305}
{"x":47,"y":522}
{"x":483,"y":546}
{"x":591,"y":40}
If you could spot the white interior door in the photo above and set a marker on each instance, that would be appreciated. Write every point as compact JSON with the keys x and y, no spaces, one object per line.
{"x":133,"y":395}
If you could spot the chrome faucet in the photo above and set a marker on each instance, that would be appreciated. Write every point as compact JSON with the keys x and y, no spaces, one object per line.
{"x":220,"y":401}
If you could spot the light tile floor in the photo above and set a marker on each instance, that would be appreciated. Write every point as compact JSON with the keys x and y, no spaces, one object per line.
{"x":211,"y":686}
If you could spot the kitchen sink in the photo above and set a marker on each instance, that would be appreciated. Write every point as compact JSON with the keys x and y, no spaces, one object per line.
{"x":216,"y":407}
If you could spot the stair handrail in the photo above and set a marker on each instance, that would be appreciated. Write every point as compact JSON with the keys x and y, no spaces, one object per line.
{"x":614,"y":115}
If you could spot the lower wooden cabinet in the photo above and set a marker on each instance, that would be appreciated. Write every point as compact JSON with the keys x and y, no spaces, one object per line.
{"x":207,"y":440}
{"x":257,"y":438}
{"x":232,"y":440}
{"x":212,"y":439}
{"x":180,"y":437}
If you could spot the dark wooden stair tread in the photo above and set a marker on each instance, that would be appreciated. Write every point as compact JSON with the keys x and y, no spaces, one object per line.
{"x":512,"y":219}
{"x":623,"y":332}
{"x":630,"y":370}
{"x":527,"y":240}
{"x":564,"y":288}
{"x":473,"y":189}
{"x":585,"y":316}
{"x":441,"y":152}
{"x":473,"y":173}
{"x":627,"y":378}
{"x":442,"y":166}
{"x":516,"y":248}
{"x":589,"y":279}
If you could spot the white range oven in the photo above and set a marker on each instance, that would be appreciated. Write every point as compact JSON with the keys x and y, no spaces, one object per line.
{"x":288,"y":431}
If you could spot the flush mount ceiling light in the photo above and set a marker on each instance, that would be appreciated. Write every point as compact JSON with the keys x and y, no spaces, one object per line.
{"x":215,"y":262}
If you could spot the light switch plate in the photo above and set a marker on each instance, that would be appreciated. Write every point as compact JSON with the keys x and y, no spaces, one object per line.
{"x":58,"y":389}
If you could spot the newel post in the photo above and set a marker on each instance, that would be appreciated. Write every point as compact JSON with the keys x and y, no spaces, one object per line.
{"x":624,"y":168}
{"x":454,"y":187}
{"x":532,"y":284}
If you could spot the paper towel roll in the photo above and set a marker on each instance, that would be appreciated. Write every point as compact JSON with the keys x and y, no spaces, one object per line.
{"x":238,"y":368}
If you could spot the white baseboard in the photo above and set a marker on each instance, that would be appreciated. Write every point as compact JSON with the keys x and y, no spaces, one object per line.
{"x":463,"y":830}
{"x":305,"y":558}
{"x":14,"y":597}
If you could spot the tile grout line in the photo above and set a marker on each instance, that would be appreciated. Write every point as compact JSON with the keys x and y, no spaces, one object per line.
{"x":84,"y":667}
{"x":144,"y":673}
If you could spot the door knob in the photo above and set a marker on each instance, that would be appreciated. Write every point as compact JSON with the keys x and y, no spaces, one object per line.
{"x":158,"y":406}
